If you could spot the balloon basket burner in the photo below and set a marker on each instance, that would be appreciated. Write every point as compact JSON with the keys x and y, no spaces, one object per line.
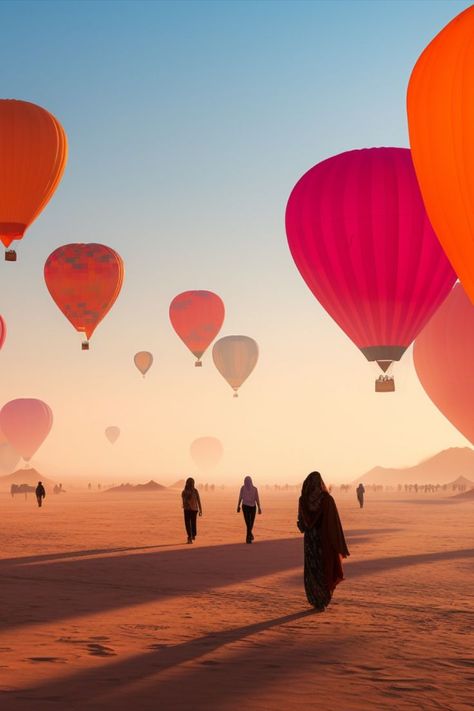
{"x":198,"y":364}
{"x":85,"y":345}
{"x":10,"y":255}
{"x":384,"y":384}
{"x":236,"y":394}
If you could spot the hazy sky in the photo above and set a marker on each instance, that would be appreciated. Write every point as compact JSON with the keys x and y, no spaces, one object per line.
{"x":188,"y":125}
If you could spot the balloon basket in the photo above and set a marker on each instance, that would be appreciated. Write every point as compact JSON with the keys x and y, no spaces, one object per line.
{"x":236,"y":394}
{"x":85,"y":345}
{"x":385,"y":384}
{"x":10,"y":255}
{"x":198,"y":364}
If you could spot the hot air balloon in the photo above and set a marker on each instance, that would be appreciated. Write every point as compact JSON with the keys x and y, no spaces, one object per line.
{"x":197,"y":318}
{"x":441,"y":352}
{"x":84,"y":281}
{"x":440,"y":106}
{"x":3,"y":331}
{"x":143,"y":361}
{"x":206,"y":452}
{"x":112,"y":434}
{"x":33,"y":147}
{"x":26,"y":423}
{"x":360,"y":237}
{"x":235,"y":357}
{"x":9,"y":457}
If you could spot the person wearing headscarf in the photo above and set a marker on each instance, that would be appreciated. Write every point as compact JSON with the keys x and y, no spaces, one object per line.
{"x":191,"y":507}
{"x":248,"y":497}
{"x":324,"y":543}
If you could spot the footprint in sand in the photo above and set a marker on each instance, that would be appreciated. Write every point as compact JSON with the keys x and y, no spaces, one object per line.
{"x":99,"y":650}
{"x":52,"y":660}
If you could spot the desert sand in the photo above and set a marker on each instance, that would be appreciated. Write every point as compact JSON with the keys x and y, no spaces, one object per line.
{"x":103,"y":607}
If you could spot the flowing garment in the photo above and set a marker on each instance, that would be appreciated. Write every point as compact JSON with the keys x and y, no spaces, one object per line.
{"x":324,"y":546}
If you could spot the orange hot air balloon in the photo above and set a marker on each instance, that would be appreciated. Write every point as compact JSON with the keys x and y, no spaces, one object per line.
{"x":440,"y":105}
{"x":197,"y":318}
{"x":84,"y":281}
{"x":33,"y":150}
{"x":235,"y":357}
{"x":441,"y":353}
{"x":143,"y":361}
{"x":26,"y":423}
{"x":112,"y":433}
{"x":206,"y":452}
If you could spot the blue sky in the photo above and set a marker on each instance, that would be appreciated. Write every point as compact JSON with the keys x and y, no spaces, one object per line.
{"x":188,"y":125}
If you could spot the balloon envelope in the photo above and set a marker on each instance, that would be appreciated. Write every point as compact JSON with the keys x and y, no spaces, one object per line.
{"x":443,"y":354}
{"x":197,"y":318}
{"x":26,"y":423}
{"x":143,"y":361}
{"x":9,"y":457}
{"x":360,"y":237}
{"x":235,"y":357}
{"x":206,"y":452}
{"x":440,"y":105}
{"x":3,"y":331}
{"x":33,"y":146}
{"x":84,"y":280}
{"x":112,"y":434}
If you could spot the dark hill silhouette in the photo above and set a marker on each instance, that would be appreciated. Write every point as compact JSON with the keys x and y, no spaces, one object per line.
{"x":126,"y":488}
{"x":25,"y":476}
{"x":464,"y":495}
{"x":441,"y":468}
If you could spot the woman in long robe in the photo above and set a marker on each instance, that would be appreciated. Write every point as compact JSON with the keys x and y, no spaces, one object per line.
{"x":324,"y":543}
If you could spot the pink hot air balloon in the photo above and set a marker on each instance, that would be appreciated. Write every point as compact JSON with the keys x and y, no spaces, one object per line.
{"x":360,"y":237}
{"x":206,"y":452}
{"x":26,"y":423}
{"x":442,"y":354}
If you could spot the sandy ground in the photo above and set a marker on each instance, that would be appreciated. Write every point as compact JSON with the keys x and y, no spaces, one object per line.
{"x":103,"y":607}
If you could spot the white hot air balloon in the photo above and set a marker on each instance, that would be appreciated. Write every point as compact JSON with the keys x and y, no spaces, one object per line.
{"x":235,"y":357}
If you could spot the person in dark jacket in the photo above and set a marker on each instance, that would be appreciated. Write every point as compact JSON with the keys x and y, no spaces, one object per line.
{"x":40,"y":493}
{"x":360,"y":495}
{"x":324,"y":543}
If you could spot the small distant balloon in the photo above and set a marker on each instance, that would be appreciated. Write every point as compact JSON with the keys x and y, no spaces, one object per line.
{"x":26,"y":422}
{"x":112,"y":434}
{"x":197,"y":318}
{"x":143,"y":361}
{"x":235,"y":357}
{"x":206,"y":452}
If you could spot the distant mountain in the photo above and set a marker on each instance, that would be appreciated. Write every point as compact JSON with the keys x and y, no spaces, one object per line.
{"x":178,"y":484}
{"x":441,"y":468}
{"x":25,"y":476}
{"x":461,"y":481}
{"x":135,"y":488}
{"x":464,"y":495}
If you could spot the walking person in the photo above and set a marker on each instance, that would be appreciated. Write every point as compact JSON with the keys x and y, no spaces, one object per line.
{"x":248,"y":497}
{"x":324,"y":543}
{"x":360,"y":495}
{"x":191,"y":508}
{"x":40,"y":493}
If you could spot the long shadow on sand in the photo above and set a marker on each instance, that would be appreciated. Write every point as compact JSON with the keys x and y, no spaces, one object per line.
{"x":83,"y":686}
{"x":45,"y":592}
{"x":38,"y":591}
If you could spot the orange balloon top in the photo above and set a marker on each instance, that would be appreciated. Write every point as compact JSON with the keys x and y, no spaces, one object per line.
{"x":84,"y":281}
{"x":440,"y":105}
{"x":33,"y":150}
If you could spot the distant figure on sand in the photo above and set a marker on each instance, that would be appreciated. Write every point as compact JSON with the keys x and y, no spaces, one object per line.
{"x":324,"y":543}
{"x":360,"y":495}
{"x":191,"y":507}
{"x":248,"y":497}
{"x":40,"y":493}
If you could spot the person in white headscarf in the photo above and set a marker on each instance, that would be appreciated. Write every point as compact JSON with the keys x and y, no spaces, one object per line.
{"x":248,"y":497}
